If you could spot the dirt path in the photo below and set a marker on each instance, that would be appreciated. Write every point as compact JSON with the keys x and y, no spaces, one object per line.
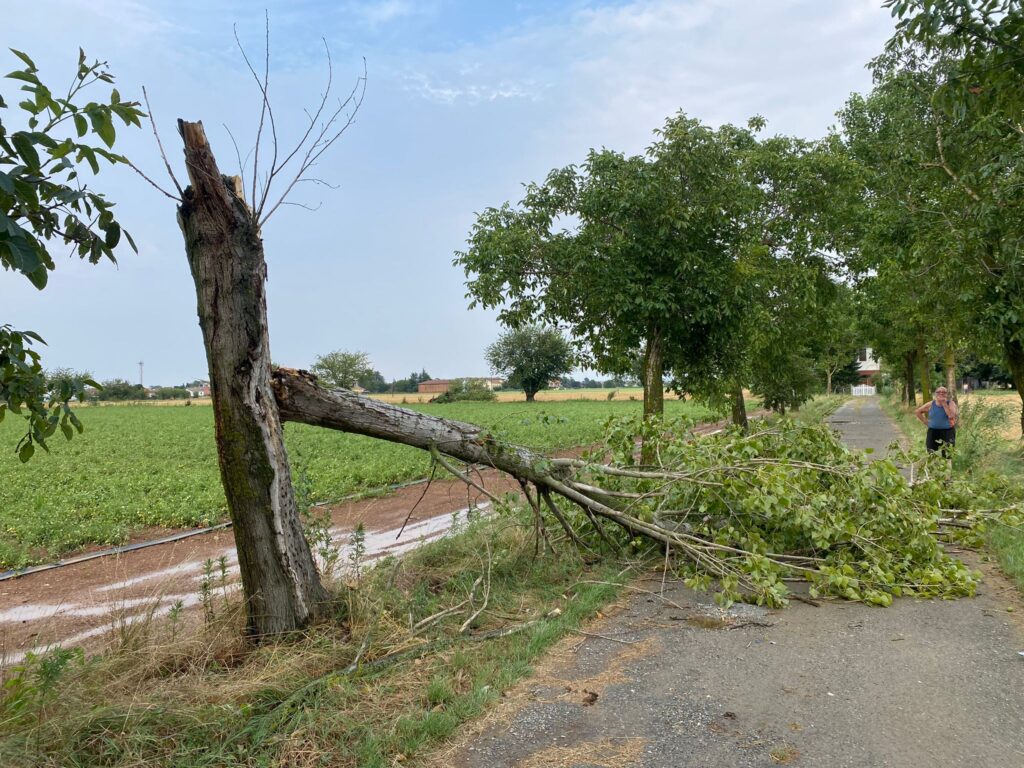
{"x":673,"y":681}
{"x":81,"y":603}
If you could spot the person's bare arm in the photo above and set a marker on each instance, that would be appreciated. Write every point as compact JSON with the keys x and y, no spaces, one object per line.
{"x":953,"y":412}
{"x":920,"y":412}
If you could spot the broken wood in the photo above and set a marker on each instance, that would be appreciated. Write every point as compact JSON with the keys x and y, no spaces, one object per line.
{"x":282,"y":589}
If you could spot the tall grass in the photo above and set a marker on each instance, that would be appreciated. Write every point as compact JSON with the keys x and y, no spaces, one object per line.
{"x":202,"y":698}
{"x":983,"y":451}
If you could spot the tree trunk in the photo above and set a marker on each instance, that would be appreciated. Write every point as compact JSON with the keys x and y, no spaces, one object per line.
{"x":301,"y":399}
{"x":1015,"y":362}
{"x":924,"y":362}
{"x":828,"y":381}
{"x":911,"y":387}
{"x":530,"y":395}
{"x":282,"y":589}
{"x":739,"y":409}
{"x":949,"y":364}
{"x":654,"y":386}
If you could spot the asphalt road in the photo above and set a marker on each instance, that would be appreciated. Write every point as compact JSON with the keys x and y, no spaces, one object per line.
{"x":672,"y":681}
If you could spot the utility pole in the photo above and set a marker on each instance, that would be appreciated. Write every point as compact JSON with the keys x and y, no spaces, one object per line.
{"x":140,"y":372}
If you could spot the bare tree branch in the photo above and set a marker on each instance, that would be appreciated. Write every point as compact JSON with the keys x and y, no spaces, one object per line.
{"x":160,"y":146}
{"x":327,"y":135}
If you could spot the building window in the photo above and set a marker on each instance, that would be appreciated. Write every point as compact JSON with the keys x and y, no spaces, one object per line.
{"x":862,"y":356}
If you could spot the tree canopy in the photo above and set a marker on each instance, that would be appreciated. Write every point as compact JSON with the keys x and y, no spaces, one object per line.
{"x":342,"y":369}
{"x":530,"y":357}
{"x":633,"y":254}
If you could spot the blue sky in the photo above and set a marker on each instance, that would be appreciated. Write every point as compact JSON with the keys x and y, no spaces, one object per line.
{"x":465,"y":102}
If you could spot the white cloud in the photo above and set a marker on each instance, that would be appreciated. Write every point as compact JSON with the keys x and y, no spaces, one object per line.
{"x":468,"y":92}
{"x":384,"y":11}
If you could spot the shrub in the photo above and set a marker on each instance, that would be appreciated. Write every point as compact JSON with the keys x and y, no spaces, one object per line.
{"x":466,"y":389}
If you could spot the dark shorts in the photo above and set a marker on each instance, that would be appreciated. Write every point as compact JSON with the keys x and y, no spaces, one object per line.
{"x":939,"y":438}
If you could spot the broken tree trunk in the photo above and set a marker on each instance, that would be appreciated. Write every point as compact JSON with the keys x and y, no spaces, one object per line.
{"x":225,"y":253}
{"x":301,"y":399}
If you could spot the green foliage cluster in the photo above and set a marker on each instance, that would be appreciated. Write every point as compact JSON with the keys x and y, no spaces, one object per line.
{"x":791,"y":501}
{"x":939,"y":139}
{"x":45,"y":201}
{"x":530,"y":357}
{"x":148,"y":465}
{"x":466,"y":390}
{"x":344,"y":370}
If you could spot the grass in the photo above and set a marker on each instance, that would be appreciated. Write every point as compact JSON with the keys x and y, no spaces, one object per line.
{"x":984,"y":446}
{"x":139,"y":466}
{"x":819,"y":408}
{"x":206,"y":700}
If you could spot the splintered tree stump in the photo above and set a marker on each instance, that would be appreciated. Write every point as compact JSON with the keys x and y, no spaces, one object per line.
{"x":282,"y":589}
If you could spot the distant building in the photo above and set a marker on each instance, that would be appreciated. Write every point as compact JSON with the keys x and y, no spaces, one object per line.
{"x":867,"y":364}
{"x":439,"y":386}
{"x":198,"y":389}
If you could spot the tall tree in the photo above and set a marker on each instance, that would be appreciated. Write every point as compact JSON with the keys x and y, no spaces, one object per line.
{"x":44,"y":202}
{"x":633,"y":254}
{"x":343,"y":369}
{"x":530,"y":357}
{"x":974,"y":52}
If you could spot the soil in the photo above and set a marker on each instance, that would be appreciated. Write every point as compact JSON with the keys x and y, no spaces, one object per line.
{"x":79,"y":603}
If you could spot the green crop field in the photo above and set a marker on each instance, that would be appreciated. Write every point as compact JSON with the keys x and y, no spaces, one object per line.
{"x":141,"y":465}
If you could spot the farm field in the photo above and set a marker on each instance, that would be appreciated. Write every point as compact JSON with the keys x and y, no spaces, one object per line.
{"x":139,"y":466}
{"x":544,"y":396}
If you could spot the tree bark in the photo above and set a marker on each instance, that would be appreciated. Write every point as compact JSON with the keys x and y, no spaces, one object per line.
{"x":828,"y":381}
{"x":530,"y":395}
{"x":282,"y":589}
{"x":949,"y":364}
{"x":923,"y":361}
{"x":739,"y":409}
{"x":301,"y":399}
{"x":1015,"y":362}
{"x":654,"y":384}
{"x":908,"y":357}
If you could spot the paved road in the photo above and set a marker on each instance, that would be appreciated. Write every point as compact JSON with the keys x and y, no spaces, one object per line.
{"x":863,"y":424}
{"x":675,"y":682}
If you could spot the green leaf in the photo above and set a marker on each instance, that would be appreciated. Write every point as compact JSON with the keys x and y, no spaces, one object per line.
{"x":24,"y":57}
{"x":103,"y":126}
{"x":26,"y":452}
{"x":113,"y":235}
{"x":20,"y":74}
{"x":26,"y":150}
{"x":81,"y":125}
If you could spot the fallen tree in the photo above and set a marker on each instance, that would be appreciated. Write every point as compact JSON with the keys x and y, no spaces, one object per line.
{"x":746,"y":513}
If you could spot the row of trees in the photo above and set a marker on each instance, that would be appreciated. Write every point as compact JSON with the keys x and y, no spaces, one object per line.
{"x":702,"y":263}
{"x":936,"y":240}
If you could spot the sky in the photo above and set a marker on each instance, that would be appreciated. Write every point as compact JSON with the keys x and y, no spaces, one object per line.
{"x":466,"y":101}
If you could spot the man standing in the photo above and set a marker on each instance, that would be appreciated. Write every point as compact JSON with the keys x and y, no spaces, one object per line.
{"x":941,"y":416}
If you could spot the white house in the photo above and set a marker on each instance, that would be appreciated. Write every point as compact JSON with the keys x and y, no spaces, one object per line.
{"x":867,"y":364}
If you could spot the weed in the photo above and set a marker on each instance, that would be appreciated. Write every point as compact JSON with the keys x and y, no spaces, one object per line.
{"x":206,"y":591}
{"x":357,"y":550}
{"x":174,"y":617}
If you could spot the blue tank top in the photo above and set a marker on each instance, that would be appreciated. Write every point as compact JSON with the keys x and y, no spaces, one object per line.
{"x":937,"y":418}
